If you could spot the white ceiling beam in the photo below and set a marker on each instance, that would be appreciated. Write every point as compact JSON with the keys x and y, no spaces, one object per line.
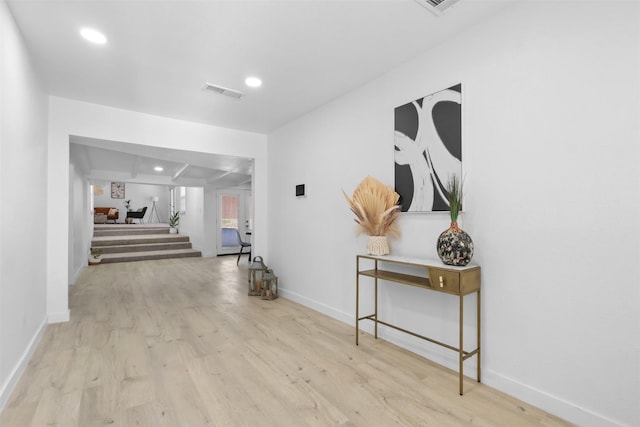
{"x":134,"y":166}
{"x":217,"y":176}
{"x":182,"y":170}
{"x":110,"y":176}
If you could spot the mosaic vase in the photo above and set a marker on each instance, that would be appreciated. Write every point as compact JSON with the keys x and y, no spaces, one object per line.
{"x":455,"y":247}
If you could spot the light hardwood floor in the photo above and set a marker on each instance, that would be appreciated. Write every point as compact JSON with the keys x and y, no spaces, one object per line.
{"x":179,"y":343}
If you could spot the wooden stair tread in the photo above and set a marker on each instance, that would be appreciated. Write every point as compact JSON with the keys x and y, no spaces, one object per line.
{"x":141,"y":247}
{"x":149,"y":255}
{"x":123,"y":226}
{"x":105,"y":233}
{"x":137,"y":239}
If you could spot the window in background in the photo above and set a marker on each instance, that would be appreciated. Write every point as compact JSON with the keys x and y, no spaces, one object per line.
{"x":229,"y":211}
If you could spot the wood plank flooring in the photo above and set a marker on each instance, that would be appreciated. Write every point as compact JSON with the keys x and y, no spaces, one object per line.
{"x":179,"y":343}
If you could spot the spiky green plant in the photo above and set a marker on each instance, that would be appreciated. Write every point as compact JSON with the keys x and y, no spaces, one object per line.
{"x":454,"y":195}
{"x":174,"y":220}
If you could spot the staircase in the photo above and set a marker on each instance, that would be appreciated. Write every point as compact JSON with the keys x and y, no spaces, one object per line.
{"x":138,"y":242}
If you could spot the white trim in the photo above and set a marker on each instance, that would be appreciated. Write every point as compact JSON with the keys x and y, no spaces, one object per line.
{"x":18,"y":370}
{"x":548,"y":402}
{"x":76,"y":275}
{"x":318,"y":306}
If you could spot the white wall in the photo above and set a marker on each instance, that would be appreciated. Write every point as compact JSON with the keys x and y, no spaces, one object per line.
{"x":192,"y":219}
{"x":550,"y":129}
{"x":209,"y":223}
{"x":79,"y":214}
{"x":68,"y":117}
{"x":23,"y":174}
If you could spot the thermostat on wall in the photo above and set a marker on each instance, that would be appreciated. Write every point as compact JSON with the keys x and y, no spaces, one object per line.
{"x":300,"y":190}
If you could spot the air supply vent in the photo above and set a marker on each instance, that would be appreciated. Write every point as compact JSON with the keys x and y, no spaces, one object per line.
{"x":223,"y":91}
{"x":437,"y":6}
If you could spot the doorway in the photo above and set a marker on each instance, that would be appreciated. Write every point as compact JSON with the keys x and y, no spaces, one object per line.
{"x":234,"y":211}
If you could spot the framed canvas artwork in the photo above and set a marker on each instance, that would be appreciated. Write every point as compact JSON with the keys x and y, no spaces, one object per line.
{"x":117,"y":190}
{"x":428,"y":149}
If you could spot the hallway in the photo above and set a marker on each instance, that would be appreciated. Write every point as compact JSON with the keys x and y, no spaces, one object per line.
{"x":178,"y":342}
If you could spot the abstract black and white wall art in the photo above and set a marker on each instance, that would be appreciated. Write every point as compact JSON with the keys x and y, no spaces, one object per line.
{"x":428,"y":149}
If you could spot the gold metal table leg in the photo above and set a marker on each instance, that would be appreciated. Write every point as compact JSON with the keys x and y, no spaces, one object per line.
{"x":375,"y":311}
{"x":461,"y":351}
{"x":478,"y":326}
{"x":357,"y":296}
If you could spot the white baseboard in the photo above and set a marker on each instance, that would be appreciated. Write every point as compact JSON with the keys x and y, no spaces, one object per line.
{"x":75,"y":276}
{"x":60,"y":317}
{"x":547,"y":402}
{"x":317,"y":306}
{"x":18,"y":370}
{"x":540,"y":399}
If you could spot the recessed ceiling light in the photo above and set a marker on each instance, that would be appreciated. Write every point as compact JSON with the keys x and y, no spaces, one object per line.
{"x":158,"y":169}
{"x":253,"y":82}
{"x":94,"y":36}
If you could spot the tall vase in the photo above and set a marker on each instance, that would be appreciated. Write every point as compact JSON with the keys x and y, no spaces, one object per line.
{"x":455,"y":246}
{"x":378,"y":245}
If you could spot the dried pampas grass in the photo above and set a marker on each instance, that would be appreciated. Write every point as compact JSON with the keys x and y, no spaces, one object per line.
{"x":376,"y":208}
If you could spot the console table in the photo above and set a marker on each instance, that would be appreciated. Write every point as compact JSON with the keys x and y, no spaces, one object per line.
{"x":458,"y":281}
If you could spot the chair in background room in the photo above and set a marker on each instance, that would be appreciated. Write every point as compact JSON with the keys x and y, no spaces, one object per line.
{"x":139,"y":215}
{"x":231,"y":237}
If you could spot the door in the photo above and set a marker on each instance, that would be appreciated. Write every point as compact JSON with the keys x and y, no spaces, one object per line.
{"x":232,"y":213}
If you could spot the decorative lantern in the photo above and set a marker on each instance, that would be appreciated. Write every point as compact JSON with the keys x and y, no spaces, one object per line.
{"x":269,"y":285}
{"x":257,"y":271}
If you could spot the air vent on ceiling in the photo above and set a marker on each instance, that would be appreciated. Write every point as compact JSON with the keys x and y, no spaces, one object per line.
{"x":223,"y":91}
{"x":437,"y":6}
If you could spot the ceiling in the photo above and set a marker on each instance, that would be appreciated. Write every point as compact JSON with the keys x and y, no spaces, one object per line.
{"x":160,"y":54}
{"x":136,"y":164}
